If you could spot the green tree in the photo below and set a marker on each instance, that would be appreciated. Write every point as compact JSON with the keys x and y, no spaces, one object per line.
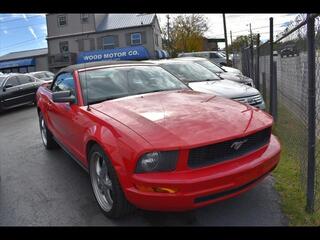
{"x":242,"y":41}
{"x":186,"y":34}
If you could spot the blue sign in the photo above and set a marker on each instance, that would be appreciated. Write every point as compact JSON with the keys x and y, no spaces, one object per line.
{"x":129,"y":53}
{"x":17,"y":63}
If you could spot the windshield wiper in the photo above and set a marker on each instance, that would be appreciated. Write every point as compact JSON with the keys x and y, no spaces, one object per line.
{"x":204,"y":80}
{"x":159,"y":90}
{"x":109,"y":98}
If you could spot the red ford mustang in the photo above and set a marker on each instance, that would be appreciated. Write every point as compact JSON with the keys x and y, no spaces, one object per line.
{"x":149,"y":141}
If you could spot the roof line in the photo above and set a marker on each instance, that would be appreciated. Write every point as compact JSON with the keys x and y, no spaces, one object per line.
{"x":97,"y":32}
{"x":23,"y":51}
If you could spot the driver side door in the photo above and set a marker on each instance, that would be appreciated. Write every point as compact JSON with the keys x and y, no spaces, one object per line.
{"x":63,"y":115}
{"x":11,"y":93}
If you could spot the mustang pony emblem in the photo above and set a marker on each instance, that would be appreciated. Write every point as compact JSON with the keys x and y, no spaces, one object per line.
{"x":238,"y":144}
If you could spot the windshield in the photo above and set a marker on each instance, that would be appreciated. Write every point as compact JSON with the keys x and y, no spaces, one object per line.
{"x":1,"y":80}
{"x":111,"y":83}
{"x":211,"y":66}
{"x":43,"y":75}
{"x":189,"y":71}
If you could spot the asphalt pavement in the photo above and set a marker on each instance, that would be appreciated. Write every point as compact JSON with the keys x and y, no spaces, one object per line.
{"x":47,"y":188}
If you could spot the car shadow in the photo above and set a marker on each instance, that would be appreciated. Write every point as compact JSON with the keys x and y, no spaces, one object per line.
{"x":16,"y":109}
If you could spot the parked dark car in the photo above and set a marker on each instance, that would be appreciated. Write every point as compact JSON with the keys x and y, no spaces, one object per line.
{"x":17,"y":90}
{"x":289,"y":51}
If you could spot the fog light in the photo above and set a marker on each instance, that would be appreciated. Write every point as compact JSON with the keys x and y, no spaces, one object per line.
{"x":156,"y":189}
{"x":165,"y":190}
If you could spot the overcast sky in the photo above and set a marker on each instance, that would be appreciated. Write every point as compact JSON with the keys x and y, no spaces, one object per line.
{"x":239,"y":24}
{"x":20,"y":32}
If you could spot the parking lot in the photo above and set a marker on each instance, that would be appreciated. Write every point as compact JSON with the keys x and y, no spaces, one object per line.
{"x":40,"y":187}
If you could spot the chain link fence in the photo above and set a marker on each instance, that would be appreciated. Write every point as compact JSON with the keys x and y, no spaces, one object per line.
{"x":290,"y":76}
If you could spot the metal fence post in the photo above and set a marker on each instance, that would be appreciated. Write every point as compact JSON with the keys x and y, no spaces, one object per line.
{"x":271,"y":108}
{"x":311,"y":114}
{"x":257,"y":78}
{"x":264,"y":86}
{"x":275,"y":93}
{"x":251,"y":60}
{"x":242,"y":60}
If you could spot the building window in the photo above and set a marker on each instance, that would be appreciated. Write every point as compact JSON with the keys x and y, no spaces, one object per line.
{"x":23,"y":69}
{"x":157,"y":40}
{"x":108,"y":42}
{"x":84,"y":17}
{"x":64,"y":47}
{"x":31,"y":69}
{"x":135,"y":38}
{"x":62,"y":20}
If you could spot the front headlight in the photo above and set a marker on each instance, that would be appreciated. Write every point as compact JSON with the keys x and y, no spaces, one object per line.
{"x":157,"y":162}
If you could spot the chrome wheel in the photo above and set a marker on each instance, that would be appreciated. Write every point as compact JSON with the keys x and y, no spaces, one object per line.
{"x":43,"y":130}
{"x":101,"y":183}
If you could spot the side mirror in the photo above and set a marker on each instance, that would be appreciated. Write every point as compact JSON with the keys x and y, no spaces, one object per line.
{"x":7,"y":86}
{"x":63,"y":97}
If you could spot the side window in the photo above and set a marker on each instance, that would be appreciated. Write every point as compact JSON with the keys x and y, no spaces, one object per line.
{"x":64,"y":82}
{"x":214,"y":55}
{"x":12,"y":81}
{"x":25,"y":79}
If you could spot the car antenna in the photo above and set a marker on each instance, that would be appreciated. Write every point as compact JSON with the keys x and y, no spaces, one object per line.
{"x":85,"y":73}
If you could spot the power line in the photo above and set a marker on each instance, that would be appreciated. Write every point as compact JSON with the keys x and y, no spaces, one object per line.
{"x":236,"y":35}
{"x":20,"y":19}
{"x":32,"y":25}
{"x":19,"y":43}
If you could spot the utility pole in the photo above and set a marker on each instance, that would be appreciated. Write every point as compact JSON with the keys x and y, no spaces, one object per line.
{"x":233,"y":64}
{"x":251,"y":51}
{"x":257,"y":77}
{"x":225,"y":37}
{"x":168,"y":30}
{"x":251,"y":40}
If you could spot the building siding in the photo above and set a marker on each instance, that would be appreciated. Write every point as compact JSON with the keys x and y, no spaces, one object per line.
{"x":41,"y":63}
{"x":122,"y":40}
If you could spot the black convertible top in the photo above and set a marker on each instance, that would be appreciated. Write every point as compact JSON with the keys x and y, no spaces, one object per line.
{"x":76,"y":67}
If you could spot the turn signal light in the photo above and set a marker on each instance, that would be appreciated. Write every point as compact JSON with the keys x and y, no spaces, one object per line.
{"x":156,"y":189}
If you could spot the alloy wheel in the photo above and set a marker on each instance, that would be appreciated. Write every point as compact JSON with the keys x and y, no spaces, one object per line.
{"x":101,"y":183}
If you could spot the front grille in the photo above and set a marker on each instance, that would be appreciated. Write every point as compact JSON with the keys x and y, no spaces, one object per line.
{"x":219,"y":152}
{"x":252,"y":100}
{"x":230,"y":191}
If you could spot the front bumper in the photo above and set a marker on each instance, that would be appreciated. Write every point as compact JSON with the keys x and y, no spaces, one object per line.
{"x":261,"y":106}
{"x":203,"y":186}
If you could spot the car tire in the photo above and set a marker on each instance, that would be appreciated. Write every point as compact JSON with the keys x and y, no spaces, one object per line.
{"x":118,"y":206}
{"x":46,"y":136}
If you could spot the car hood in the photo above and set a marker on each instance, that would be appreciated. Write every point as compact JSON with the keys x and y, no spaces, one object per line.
{"x":231,"y":70}
{"x":224,"y":88}
{"x":181,"y":119}
{"x":234,"y":77}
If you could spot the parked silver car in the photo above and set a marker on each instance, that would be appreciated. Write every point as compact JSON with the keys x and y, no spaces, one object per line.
{"x":219,"y":71}
{"x":214,"y":56}
{"x":45,"y":76}
{"x":201,"y":79}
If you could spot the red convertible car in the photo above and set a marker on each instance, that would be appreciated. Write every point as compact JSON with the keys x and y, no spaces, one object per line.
{"x":148,"y":141}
